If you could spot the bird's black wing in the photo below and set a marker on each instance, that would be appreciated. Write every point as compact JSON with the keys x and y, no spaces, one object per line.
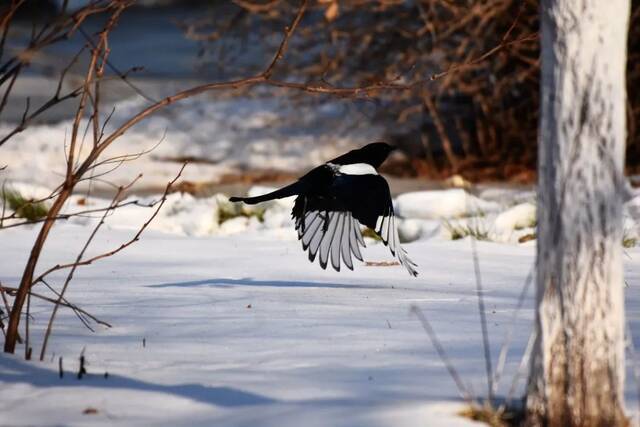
{"x":368,"y":199}
{"x":327,"y":230}
{"x":315,"y":181}
{"x":329,"y":227}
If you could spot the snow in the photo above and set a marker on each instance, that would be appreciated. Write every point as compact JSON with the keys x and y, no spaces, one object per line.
{"x":516,"y":218}
{"x":334,"y":349}
{"x":439,"y":204}
{"x":227,"y":135}
{"x":227,"y":323}
{"x":519,"y":216}
{"x":191,"y":216}
{"x":449,"y":212}
{"x":243,"y":331}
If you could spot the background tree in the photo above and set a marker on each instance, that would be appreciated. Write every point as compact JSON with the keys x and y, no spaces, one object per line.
{"x":577,"y":370}
{"x":479,"y":113}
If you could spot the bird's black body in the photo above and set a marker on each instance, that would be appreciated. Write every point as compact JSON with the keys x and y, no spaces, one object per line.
{"x":333,"y":198}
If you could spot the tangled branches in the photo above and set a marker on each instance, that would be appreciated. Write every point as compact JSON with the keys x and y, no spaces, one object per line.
{"x":477,"y":114}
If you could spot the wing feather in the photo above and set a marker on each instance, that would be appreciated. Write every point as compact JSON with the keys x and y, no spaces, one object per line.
{"x":310,"y":230}
{"x":329,"y":227}
{"x":345,"y":241}
{"x":358,"y":236}
{"x":336,"y":241}
{"x":316,"y":240}
{"x":327,"y":239}
{"x":369,"y":200}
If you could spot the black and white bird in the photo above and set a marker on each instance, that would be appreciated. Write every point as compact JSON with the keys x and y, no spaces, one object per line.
{"x":334,"y":198}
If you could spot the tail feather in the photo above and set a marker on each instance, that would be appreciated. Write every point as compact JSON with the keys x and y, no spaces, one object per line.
{"x":289,"y":190}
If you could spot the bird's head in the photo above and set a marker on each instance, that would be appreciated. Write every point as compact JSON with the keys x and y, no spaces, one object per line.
{"x":376,"y":153}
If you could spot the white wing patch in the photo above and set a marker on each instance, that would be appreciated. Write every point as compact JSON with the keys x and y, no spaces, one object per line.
{"x":387,"y":230}
{"x":331,"y":235}
{"x":357,"y":169}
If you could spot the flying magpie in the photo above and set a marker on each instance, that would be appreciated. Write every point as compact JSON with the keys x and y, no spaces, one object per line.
{"x":333,"y":198}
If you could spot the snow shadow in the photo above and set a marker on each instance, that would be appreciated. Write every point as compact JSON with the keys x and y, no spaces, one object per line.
{"x":267,"y":283}
{"x":13,"y":371}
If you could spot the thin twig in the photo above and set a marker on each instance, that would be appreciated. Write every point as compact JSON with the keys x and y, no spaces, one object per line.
{"x":464,"y":65}
{"x":120,"y":74}
{"x":27,"y":349}
{"x":288,"y":31}
{"x":64,"y":300}
{"x":79,"y":262}
{"x":3,"y":199}
{"x":64,"y":303}
{"x":83,"y":213}
{"x":524,"y":362}
{"x":75,"y":266}
{"x":70,"y":276}
{"x":447,"y":146}
{"x":502,"y":358}
{"x":483,"y":318}
{"x":443,"y":354}
{"x":634,"y":363}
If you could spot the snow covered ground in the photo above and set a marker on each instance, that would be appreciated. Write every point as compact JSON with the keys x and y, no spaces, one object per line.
{"x":231,"y":340}
{"x":219,"y":319}
{"x":226,"y":136}
{"x":237,"y":328}
{"x":497,"y":215}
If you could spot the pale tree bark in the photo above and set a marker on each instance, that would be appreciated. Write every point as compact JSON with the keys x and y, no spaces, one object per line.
{"x":577,"y":368}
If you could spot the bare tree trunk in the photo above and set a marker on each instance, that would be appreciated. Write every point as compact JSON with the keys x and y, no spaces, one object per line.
{"x":577,"y":368}
{"x":27,"y":276}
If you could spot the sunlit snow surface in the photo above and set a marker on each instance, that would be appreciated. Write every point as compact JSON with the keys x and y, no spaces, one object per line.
{"x":224,"y":135}
{"x":228,"y":324}
{"x":243,"y":331}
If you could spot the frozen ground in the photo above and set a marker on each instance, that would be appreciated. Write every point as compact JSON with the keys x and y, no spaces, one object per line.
{"x":240,"y":330}
{"x":494,"y":214}
{"x":231,"y":340}
{"x":225,"y":136}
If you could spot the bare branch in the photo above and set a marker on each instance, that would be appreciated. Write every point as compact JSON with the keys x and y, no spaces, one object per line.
{"x":470,"y":63}
{"x":73,"y":269}
{"x":135,"y":238}
{"x":120,"y":74}
{"x":288,"y":31}
{"x":65,"y":303}
{"x":77,"y":313}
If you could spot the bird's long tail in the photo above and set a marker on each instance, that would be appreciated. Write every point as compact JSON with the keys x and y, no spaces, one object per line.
{"x":289,"y":190}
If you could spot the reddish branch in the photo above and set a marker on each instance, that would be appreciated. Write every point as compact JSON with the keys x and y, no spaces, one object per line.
{"x":61,"y":28}
{"x":64,"y":303}
{"x":478,"y":60}
{"x":71,"y":179}
{"x":80,"y":261}
{"x":89,"y":94}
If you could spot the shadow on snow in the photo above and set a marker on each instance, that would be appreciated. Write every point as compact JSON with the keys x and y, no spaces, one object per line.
{"x":267,"y":283}
{"x":14,"y":371}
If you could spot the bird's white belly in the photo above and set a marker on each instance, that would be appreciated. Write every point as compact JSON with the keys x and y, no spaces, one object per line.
{"x":357,"y":169}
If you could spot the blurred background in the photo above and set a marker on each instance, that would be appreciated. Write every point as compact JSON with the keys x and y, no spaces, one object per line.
{"x":474,"y":118}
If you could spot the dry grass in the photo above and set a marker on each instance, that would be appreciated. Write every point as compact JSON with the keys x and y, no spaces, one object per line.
{"x":461,"y":230}
{"x":495,"y":417}
{"x":23,"y":207}
{"x":226,"y":214}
